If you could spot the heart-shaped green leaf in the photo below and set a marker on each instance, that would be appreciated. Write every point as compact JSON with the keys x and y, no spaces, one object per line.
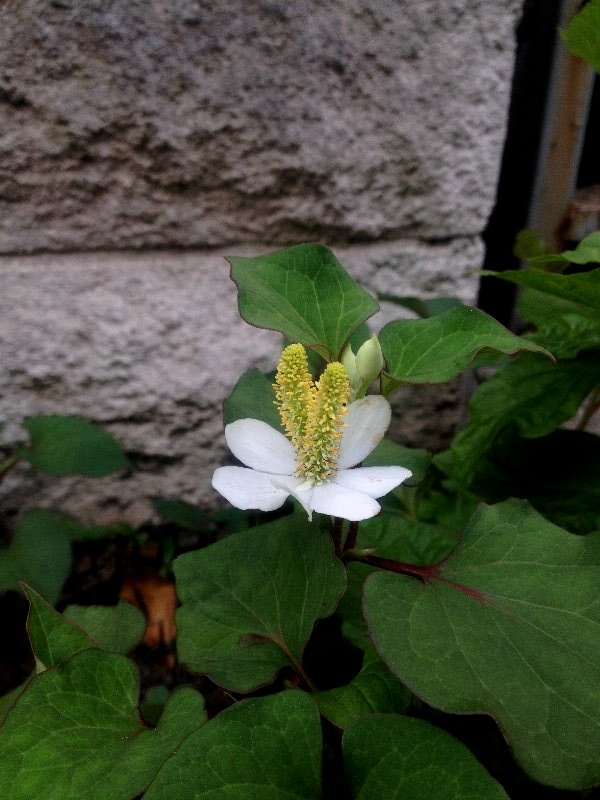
{"x":436,"y":349}
{"x":75,"y":732}
{"x":71,"y":446}
{"x":387,"y":756}
{"x":508,"y":625}
{"x":374,"y":689}
{"x":249,"y":602}
{"x":266,"y":747}
{"x":39,"y":554}
{"x":305,"y":293}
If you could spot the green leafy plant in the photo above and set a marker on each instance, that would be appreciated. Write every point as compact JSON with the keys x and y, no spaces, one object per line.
{"x":381,"y":601}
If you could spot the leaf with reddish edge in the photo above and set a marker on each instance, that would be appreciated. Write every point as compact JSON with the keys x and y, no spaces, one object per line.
{"x":304,"y":292}
{"x":508,"y":625}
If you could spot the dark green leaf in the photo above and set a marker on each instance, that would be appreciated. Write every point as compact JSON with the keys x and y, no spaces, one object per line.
{"x":374,"y":689}
{"x":582,"y":37}
{"x":582,"y":288}
{"x":559,"y":474}
{"x":266,"y":748}
{"x":435,"y":350}
{"x":53,"y":638}
{"x":305,"y":293}
{"x":183,"y":515}
{"x":423,"y":308}
{"x":508,"y":625}
{"x":249,"y":602}
{"x":252,"y":398}
{"x":39,"y":554}
{"x":116,"y":628}
{"x":387,"y":756}
{"x":531,"y":396}
{"x":72,"y":446}
{"x":529,"y":244}
{"x":388,"y":453}
{"x":75,"y":732}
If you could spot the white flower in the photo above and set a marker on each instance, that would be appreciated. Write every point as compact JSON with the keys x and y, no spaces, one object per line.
{"x":271,"y":463}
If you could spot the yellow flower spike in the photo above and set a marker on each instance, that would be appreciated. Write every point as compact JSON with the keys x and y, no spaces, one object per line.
{"x":293,"y":389}
{"x":318,"y":457}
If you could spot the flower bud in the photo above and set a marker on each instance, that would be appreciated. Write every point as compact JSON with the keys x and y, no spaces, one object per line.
{"x":369,"y":360}
{"x":349,"y":363}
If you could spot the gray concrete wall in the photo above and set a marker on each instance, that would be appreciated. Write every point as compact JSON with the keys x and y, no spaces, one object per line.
{"x":229,"y":127}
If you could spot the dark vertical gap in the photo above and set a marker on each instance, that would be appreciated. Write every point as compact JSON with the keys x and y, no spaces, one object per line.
{"x":536,"y":36}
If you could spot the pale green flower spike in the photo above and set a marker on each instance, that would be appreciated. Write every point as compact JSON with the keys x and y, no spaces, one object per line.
{"x":325,"y":439}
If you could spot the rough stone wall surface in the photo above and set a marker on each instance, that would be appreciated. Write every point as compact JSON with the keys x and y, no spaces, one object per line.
{"x":138,"y":123}
{"x":229,"y":127}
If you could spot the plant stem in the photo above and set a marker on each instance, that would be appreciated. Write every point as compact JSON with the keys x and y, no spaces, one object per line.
{"x":5,"y":466}
{"x":425,"y":573}
{"x":337,"y":534}
{"x":352,"y":534}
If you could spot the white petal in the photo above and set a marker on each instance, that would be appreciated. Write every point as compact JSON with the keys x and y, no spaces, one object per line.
{"x":365,"y":425}
{"x":261,"y":447}
{"x":299,"y":489}
{"x":247,"y":488}
{"x":329,"y":498}
{"x":374,"y":481}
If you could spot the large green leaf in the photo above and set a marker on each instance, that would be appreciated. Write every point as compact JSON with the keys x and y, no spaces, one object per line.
{"x":374,"y":689}
{"x":508,"y":625}
{"x":249,"y":602}
{"x":436,"y":349}
{"x":388,"y":536}
{"x":266,"y":747}
{"x":252,"y":397}
{"x":582,"y":37}
{"x":582,"y":288}
{"x":305,"y":293}
{"x":71,"y":446}
{"x":531,"y":396}
{"x":75,"y":732}
{"x":116,"y":628}
{"x":387,"y":756}
{"x":39,"y":554}
{"x":424,"y":308}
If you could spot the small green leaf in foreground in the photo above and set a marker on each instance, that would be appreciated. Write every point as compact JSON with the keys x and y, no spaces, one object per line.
{"x":266,"y":747}
{"x":71,"y":446}
{"x":387,"y":757}
{"x":436,"y":349}
{"x":250,"y":601}
{"x":508,"y":625}
{"x":75,"y":732}
{"x":305,"y":293}
{"x":373,"y":689}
